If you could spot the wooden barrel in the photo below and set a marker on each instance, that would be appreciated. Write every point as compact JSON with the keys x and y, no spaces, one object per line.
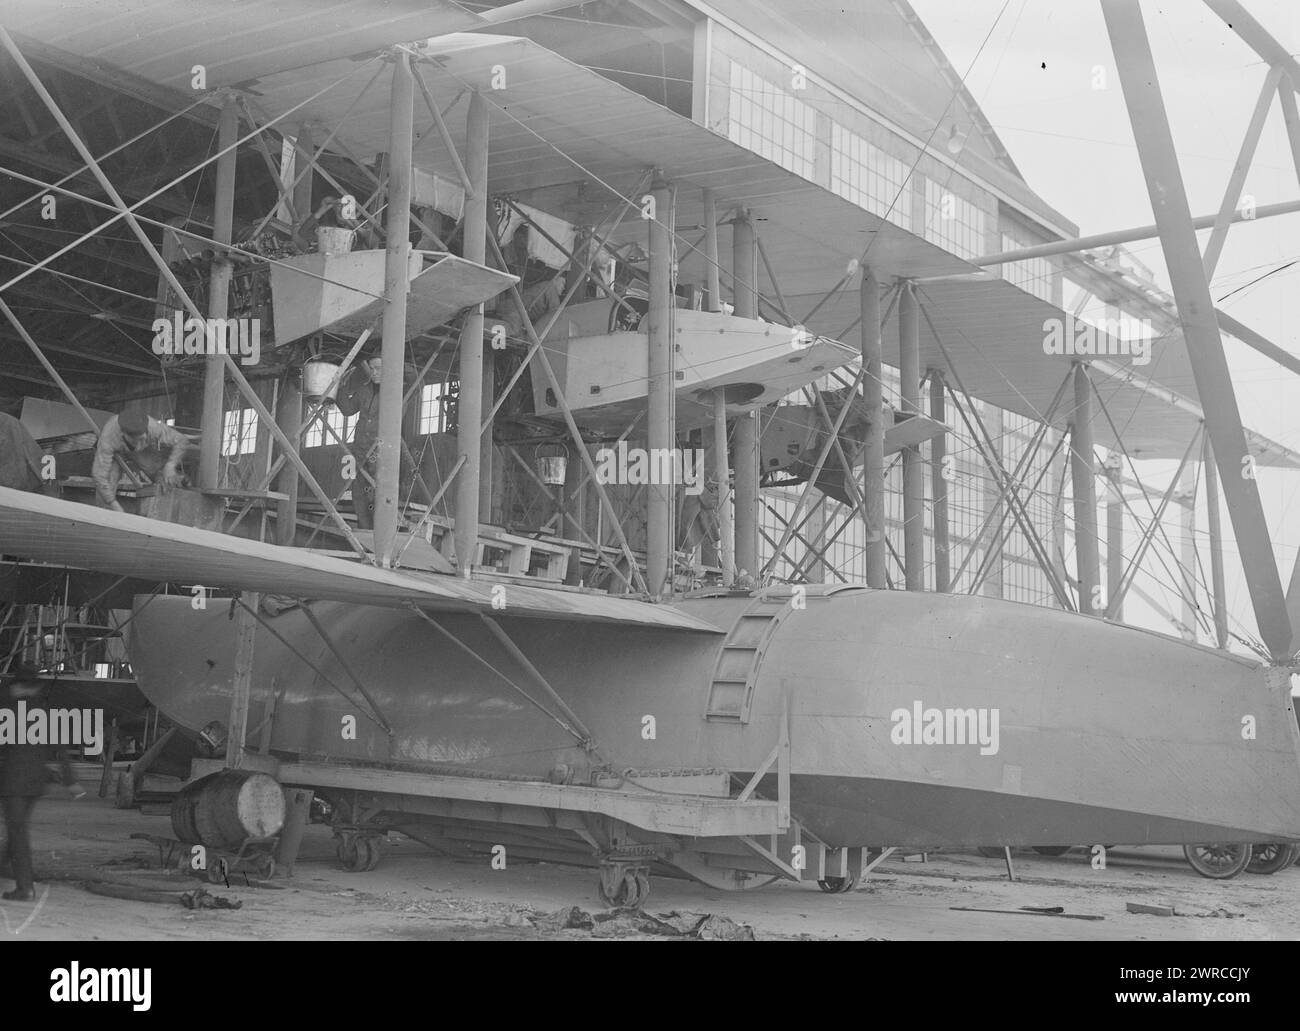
{"x":224,"y":809}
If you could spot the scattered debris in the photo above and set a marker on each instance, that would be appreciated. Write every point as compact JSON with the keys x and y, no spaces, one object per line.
{"x":623,"y":923}
{"x":620,"y":922}
{"x":716,"y":928}
{"x":204,"y":899}
{"x":1218,"y":912}
{"x":572,"y":918}
{"x":1142,"y":907}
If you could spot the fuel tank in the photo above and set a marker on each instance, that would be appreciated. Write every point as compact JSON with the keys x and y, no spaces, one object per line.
{"x":914,"y":719}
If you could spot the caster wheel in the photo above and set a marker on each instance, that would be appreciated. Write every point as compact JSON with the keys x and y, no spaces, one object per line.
{"x":1218,"y":862}
{"x":837,"y":885}
{"x":218,"y":872}
{"x":359,"y":852}
{"x":1052,"y":850}
{"x":264,"y":867}
{"x":622,"y":888}
{"x":348,"y":852}
{"x":1271,"y":858}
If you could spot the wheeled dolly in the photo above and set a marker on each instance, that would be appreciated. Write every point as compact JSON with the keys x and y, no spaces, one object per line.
{"x":625,"y":878}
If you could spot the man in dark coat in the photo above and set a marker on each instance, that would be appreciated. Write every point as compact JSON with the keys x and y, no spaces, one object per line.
{"x":22,"y":781}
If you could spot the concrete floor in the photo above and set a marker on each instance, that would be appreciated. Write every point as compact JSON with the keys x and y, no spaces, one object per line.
{"x":416,"y":894}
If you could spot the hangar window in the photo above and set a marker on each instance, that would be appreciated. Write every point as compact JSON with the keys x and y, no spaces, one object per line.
{"x":343,"y":426}
{"x":771,"y":123}
{"x":240,"y":436}
{"x":1033,"y":275}
{"x":435,"y":407}
{"x":870,"y":178}
{"x":953,"y":222}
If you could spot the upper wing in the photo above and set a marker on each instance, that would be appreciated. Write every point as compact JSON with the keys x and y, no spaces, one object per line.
{"x":161,"y":41}
{"x":44,"y":529}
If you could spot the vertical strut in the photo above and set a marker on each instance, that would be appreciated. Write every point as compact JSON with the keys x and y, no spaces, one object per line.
{"x":745,"y":271}
{"x":214,"y":372}
{"x":660,"y":435}
{"x":397,"y":281}
{"x":1086,"y":552}
{"x":939,"y":486}
{"x":469,"y":415}
{"x":873,"y":461}
{"x":909,"y":371}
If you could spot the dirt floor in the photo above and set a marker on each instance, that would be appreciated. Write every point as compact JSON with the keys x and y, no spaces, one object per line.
{"x":417,"y":895}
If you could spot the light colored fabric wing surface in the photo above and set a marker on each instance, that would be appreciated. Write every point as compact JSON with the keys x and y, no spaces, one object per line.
{"x":46,"y":529}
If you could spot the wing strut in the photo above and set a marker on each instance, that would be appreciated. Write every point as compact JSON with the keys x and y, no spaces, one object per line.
{"x":343,"y":664}
{"x":373,"y":716}
{"x":517,"y":654}
{"x":580,"y":735}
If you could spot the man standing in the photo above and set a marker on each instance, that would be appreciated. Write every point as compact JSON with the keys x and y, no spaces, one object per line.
{"x":22,"y":781}
{"x":140,"y":441}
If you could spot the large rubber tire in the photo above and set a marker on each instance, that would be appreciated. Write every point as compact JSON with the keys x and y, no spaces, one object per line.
{"x":1052,"y":850}
{"x":991,"y":851}
{"x":837,"y":885}
{"x":1218,"y":862}
{"x":1271,"y":858}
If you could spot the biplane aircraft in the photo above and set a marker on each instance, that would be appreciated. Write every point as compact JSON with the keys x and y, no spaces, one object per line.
{"x":516,"y":654}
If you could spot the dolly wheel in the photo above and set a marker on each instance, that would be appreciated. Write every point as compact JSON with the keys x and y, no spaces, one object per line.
{"x":218,"y":871}
{"x":359,"y":852}
{"x":837,"y":885}
{"x":1271,"y":858}
{"x":1218,"y":862}
{"x":623,"y":887}
{"x":264,"y":867}
{"x":349,"y":852}
{"x":373,"y":849}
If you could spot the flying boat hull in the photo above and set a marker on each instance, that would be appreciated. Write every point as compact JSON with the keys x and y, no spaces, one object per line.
{"x":1072,"y":730}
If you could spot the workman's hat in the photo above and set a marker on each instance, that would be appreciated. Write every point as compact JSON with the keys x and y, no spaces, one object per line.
{"x":133,"y":422}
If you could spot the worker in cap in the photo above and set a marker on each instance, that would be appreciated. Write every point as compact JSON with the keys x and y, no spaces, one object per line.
{"x":23,"y":776}
{"x":143,"y":443}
